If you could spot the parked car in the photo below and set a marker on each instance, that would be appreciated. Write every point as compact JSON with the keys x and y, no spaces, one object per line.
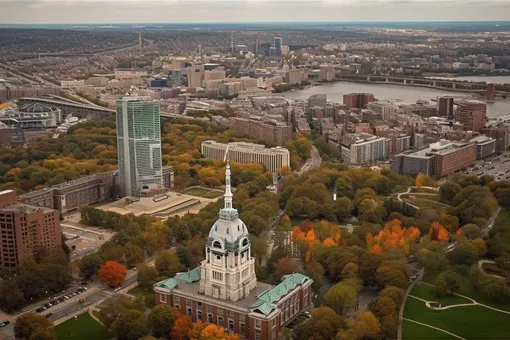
{"x":40,"y":309}
{"x":4,"y":323}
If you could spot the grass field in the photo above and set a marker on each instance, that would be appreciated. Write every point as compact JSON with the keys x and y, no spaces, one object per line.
{"x":470,"y":322}
{"x":84,"y":327}
{"x":413,"y":331}
{"x":203,"y":192}
{"x":426,"y":292}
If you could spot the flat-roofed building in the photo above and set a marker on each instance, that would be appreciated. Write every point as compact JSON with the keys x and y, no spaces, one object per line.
{"x":485,"y":146}
{"x":25,"y":229}
{"x":363,"y":148}
{"x":241,"y":152}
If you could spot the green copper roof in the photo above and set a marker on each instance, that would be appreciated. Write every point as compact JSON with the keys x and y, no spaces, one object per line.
{"x":265,"y":301}
{"x":168,"y":283}
{"x":190,"y":276}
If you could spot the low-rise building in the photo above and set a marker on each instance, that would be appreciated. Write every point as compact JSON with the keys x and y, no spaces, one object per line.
{"x":485,"y":146}
{"x":241,"y":152}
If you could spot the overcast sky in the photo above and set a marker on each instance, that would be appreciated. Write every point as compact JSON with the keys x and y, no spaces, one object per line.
{"x":182,"y":11}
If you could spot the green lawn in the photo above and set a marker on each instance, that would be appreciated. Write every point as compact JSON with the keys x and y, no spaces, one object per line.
{"x":203,"y":192}
{"x":471,"y":322}
{"x":413,"y":331}
{"x":428,"y":293}
{"x":83,"y":328}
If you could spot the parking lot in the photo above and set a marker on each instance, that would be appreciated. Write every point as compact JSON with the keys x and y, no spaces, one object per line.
{"x":496,"y":166}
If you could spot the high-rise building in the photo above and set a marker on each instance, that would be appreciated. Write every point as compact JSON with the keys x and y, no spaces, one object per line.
{"x":319,"y":100}
{"x":358,"y":100}
{"x":139,"y":145}
{"x":363,"y":148}
{"x":278,"y":43}
{"x":25,"y":229}
{"x":194,"y":75}
{"x":472,"y":114}
{"x":491,"y":91}
{"x":445,"y":107}
{"x":224,"y":290}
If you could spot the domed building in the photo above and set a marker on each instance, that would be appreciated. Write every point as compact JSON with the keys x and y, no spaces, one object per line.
{"x":224,"y":289}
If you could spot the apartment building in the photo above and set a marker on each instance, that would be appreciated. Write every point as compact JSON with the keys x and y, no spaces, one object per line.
{"x":358,"y":149}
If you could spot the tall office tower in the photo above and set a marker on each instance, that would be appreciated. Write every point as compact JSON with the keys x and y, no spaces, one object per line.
{"x":25,"y":229}
{"x":471,"y":113}
{"x":278,"y":42}
{"x":139,"y":145}
{"x":491,"y":92}
{"x":445,"y":107}
{"x":194,"y":75}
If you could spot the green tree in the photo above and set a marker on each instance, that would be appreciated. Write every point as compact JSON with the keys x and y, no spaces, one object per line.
{"x":447,"y":283}
{"x":343,"y":187}
{"x":146,"y":275}
{"x":130,"y":325}
{"x":133,"y":255}
{"x":369,"y":262}
{"x":258,"y":247}
{"x":11,"y":297}
{"x":463,"y":255}
{"x":471,"y":231}
{"x":394,"y":293}
{"x":349,"y":271}
{"x":167,"y":263}
{"x":391,"y":273}
{"x":315,"y":271}
{"x":497,"y":290}
{"x":29,"y":324}
{"x":161,"y":320}
{"x":342,"y":208}
{"x":341,"y":297}
{"x":448,"y":190}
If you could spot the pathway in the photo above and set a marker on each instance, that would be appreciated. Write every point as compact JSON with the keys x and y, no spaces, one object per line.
{"x":480,"y":265}
{"x":437,"y":329}
{"x":401,"y":311}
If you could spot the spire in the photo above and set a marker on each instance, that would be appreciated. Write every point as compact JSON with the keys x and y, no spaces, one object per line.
{"x":228,"y":191}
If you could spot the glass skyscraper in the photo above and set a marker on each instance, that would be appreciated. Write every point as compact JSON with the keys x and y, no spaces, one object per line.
{"x":138,"y":145}
{"x":278,"y":45}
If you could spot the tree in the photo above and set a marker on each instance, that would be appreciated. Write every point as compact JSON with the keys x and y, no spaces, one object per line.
{"x":167,"y":263}
{"x":420,"y":180}
{"x":448,"y":190}
{"x":343,"y":187}
{"x":146,"y":275}
{"x":341,"y":297}
{"x":382,"y":306}
{"x":112,"y":273}
{"x":343,"y":208}
{"x":90,"y":264}
{"x":324,"y":324}
{"x":438,"y":233}
{"x":209,"y":331}
{"x":315,"y":271}
{"x":463,"y":255}
{"x":447,"y":283}
{"x":471,"y":231}
{"x":133,"y":254}
{"x":284,"y":266}
{"x":30,"y":324}
{"x":497,"y":291}
{"x":130,"y":325}
{"x":161,"y":320}
{"x":391,"y":273}
{"x":258,"y":247}
{"x":350,"y":271}
{"x":43,"y":334}
{"x":480,"y":246}
{"x":369,"y":262}
{"x":394,"y":293}
{"x":11,"y":297}
{"x":433,"y":261}
{"x":364,"y":326}
{"x":181,"y":328}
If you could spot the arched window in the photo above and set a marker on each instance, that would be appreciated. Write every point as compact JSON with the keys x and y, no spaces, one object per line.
{"x":217,"y":244}
{"x":245,"y":242}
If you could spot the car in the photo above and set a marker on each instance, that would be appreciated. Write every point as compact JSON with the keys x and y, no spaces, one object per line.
{"x":66,"y":297}
{"x":81,"y":300}
{"x":84,"y":282}
{"x":48,"y":315}
{"x":4,"y":323}
{"x":48,"y":305}
{"x":40,"y":309}
{"x":53,"y":302}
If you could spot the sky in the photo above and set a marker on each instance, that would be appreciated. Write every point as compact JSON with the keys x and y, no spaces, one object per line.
{"x":206,"y":11}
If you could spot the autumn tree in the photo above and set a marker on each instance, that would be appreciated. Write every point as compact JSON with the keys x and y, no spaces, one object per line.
{"x":112,"y":273}
{"x":167,"y":263}
{"x":420,"y":180}
{"x":30,"y":324}
{"x":364,"y":326}
{"x":284,"y":266}
{"x":182,"y":327}
{"x":438,"y":233}
{"x":480,"y":246}
{"x":369,"y":262}
{"x":341,"y":297}
{"x":209,"y":331}
{"x":393,"y":236}
{"x":146,"y":275}
{"x":391,"y":273}
{"x":324,"y":323}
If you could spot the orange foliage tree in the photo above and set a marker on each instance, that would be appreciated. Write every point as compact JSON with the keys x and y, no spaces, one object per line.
{"x":182,"y":327}
{"x":420,"y":180}
{"x":112,"y":273}
{"x":438,"y":233}
{"x":392,"y":236}
{"x":308,"y":236}
{"x":209,"y":331}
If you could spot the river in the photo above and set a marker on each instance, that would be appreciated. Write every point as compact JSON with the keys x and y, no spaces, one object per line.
{"x":488,"y":79}
{"x":409,"y":94}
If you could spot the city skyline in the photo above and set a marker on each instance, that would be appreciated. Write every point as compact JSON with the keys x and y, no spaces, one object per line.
{"x":194,"y":11}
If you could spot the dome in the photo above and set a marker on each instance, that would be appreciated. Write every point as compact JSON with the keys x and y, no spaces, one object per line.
{"x":228,"y":231}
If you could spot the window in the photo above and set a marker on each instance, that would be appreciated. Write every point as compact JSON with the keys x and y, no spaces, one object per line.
{"x":258,"y":336}
{"x":190,"y":312}
{"x":242,"y":328}
{"x":230,"y":325}
{"x":209,"y":318}
{"x":258,"y":324}
{"x":217,"y":276}
{"x":188,"y":302}
{"x":162,"y":298}
{"x":216,"y":244}
{"x":273,"y":323}
{"x":220,"y":321}
{"x":199,"y":316}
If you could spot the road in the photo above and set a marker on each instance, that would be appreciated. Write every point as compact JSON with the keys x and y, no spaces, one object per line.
{"x":96,"y":293}
{"x":313,"y":161}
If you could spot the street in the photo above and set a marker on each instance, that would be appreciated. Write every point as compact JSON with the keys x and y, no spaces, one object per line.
{"x":96,"y":293}
{"x":314,"y":161}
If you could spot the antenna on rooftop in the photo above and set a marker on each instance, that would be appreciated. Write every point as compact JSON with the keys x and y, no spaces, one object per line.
{"x":232,"y":42}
